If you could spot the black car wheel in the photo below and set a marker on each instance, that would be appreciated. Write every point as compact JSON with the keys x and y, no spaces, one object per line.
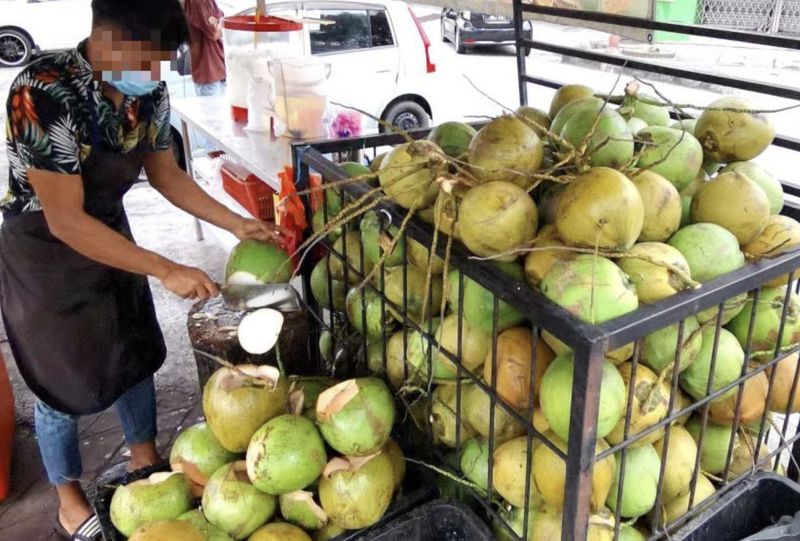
{"x":15,"y":48}
{"x":460,"y":49}
{"x":407,"y":115}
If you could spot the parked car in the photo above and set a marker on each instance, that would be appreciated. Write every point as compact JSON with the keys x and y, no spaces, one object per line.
{"x":379,"y":53}
{"x":28,"y":27}
{"x":465,"y":29}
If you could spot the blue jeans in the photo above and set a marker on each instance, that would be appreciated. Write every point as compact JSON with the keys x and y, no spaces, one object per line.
{"x":207,"y":89}
{"x":58,"y":432}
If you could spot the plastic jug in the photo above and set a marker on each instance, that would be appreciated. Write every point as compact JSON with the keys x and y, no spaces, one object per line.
{"x":301,"y":95}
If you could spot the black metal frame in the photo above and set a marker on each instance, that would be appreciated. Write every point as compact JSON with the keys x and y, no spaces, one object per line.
{"x":590,"y":343}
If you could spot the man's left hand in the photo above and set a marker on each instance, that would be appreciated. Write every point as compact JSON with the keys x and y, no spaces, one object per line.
{"x":258,"y":230}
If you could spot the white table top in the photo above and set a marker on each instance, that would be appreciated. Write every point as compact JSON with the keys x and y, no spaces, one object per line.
{"x":261,"y":153}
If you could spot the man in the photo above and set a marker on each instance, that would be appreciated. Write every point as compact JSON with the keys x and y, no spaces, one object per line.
{"x":208,"y":58}
{"x":74,"y":294}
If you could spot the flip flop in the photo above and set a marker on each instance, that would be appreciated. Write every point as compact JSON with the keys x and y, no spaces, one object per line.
{"x":89,"y":530}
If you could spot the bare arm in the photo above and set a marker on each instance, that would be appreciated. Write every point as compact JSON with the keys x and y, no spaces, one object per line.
{"x":180,"y":190}
{"x":62,"y":198}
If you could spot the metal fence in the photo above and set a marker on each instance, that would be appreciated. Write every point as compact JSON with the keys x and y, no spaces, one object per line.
{"x":770,"y":16}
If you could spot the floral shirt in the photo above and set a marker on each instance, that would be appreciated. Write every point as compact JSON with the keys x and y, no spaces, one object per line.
{"x":49,"y":123}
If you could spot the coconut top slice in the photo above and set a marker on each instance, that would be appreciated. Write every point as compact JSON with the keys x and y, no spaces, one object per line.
{"x":297,"y":400}
{"x":154,"y":479}
{"x":258,"y":331}
{"x":307,"y":498}
{"x":333,"y":400}
{"x":232,"y":380}
{"x":350,"y":464}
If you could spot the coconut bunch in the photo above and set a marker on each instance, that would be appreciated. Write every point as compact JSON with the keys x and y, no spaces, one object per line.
{"x":259,"y":464}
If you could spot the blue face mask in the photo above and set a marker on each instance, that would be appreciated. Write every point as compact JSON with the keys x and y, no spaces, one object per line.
{"x":131,"y":83}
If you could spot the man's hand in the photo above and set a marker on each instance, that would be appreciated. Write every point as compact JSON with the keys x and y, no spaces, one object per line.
{"x":188,"y":282}
{"x":216,"y":24}
{"x":258,"y":230}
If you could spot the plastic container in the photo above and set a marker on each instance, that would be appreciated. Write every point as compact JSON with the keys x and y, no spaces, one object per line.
{"x":746,"y":509}
{"x":301,"y":95}
{"x":440,"y":520}
{"x":249,"y":45}
{"x":249,"y":191}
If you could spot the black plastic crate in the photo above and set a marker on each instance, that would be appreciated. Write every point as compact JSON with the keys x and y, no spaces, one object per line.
{"x":419,"y":487}
{"x":746,"y":509}
{"x":440,"y":520}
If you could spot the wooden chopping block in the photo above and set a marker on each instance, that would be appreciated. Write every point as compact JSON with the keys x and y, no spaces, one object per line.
{"x":212,"y":329}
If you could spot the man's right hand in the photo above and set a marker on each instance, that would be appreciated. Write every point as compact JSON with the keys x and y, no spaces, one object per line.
{"x":189,"y":283}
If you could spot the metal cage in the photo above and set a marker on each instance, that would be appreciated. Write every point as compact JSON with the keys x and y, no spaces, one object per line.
{"x":413,"y":346}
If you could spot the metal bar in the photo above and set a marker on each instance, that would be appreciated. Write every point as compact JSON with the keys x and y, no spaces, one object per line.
{"x":520,"y":50}
{"x":647,"y":24}
{"x":187,"y":153}
{"x":587,"y":373}
{"x":733,"y":82}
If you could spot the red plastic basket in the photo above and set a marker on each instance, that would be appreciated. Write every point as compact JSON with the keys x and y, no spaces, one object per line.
{"x":249,"y":191}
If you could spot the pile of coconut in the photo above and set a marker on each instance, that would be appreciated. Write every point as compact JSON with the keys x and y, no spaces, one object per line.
{"x":275,"y":460}
{"x":604,"y":205}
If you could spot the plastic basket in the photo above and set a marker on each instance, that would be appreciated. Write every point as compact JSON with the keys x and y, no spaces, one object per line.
{"x":744,"y":510}
{"x":440,"y":520}
{"x":248,"y":190}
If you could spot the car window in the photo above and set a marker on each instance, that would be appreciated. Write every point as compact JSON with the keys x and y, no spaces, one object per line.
{"x":381,"y":29}
{"x":346,"y":30}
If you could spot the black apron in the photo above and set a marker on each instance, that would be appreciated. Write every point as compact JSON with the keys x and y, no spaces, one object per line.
{"x":82,"y":333}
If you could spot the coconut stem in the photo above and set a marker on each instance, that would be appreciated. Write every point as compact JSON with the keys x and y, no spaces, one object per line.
{"x":449,"y":475}
{"x":255,"y":382}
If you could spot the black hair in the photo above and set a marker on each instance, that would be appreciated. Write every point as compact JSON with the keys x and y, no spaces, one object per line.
{"x":161,"y":22}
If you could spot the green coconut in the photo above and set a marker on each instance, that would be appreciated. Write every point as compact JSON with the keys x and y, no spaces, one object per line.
{"x":731,"y":308}
{"x":300,"y":509}
{"x":680,"y":461}
{"x":375,"y":240}
{"x":566,"y":95}
{"x":419,"y":256}
{"x":744,"y":461}
{"x":674,"y":154}
{"x":398,"y":458}
{"x":506,"y":150}
{"x":688,"y":193}
{"x":662,"y":206}
{"x":727,"y":368}
{"x":659,"y":349}
{"x":649,"y":405}
{"x":256,"y":262}
{"x":686,"y":124}
{"x":286,"y":454}
{"x":355,"y":492}
{"x":477,"y":406}
{"x":197,"y":453}
{"x":674,"y":509}
{"x":747,"y":406}
{"x":417,"y":354}
{"x":710,"y":249}
{"x":550,"y":473}
{"x":318,"y":224}
{"x":653,"y":274}
{"x":375,"y":164}
{"x":547,"y":203}
{"x":518,"y":380}
{"x":642,"y":106}
{"x":475,"y":460}
{"x":534,"y":118}
{"x":445,"y":214}
{"x":605,"y":136}
{"x":333,"y":297}
{"x":477,"y":305}
{"x":329,"y":532}
{"x":580,"y":106}
{"x":781,"y":235}
{"x":279,"y":531}
{"x":635,"y":125}
{"x":418,"y":307}
{"x":174,"y":530}
{"x":162,"y":496}
{"x":513,"y":471}
{"x":515,"y":521}
{"x":717,"y":440}
{"x":783,"y":382}
{"x":600,"y":208}
{"x":771,"y":313}
{"x":444,"y":409}
{"x":497,"y":217}
{"x":408,"y":174}
{"x":310,"y":387}
{"x":591,"y":287}
{"x":556,"y":396}
{"x":772,"y":186}
{"x":356,"y":416}
{"x":326,"y":345}
{"x":471,"y":352}
{"x":548,"y":521}
{"x":730,"y":133}
{"x":734,"y":202}
{"x":348,"y":247}
{"x":640,"y":486}
{"x":200,"y":523}
{"x":539,"y":261}
{"x":453,"y":138}
{"x":395,"y":360}
{"x":367,"y":312}
{"x":233,"y":504}
{"x":238,"y":402}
